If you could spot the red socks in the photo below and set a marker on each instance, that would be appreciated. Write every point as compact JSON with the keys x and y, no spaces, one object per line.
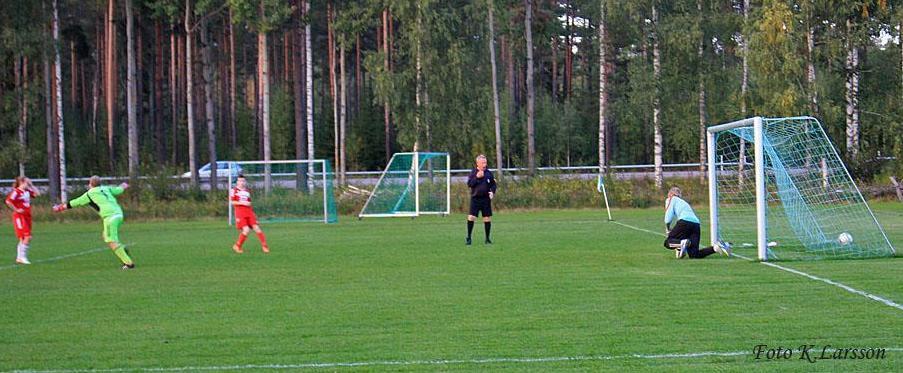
{"x":243,"y":237}
{"x":241,"y":240}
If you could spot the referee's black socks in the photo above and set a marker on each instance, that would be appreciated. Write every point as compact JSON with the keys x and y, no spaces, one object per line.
{"x":488,"y":226}
{"x":469,"y":228}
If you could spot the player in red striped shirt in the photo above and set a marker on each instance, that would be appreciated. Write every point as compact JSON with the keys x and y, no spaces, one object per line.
{"x":19,"y":200}
{"x":245,"y":219}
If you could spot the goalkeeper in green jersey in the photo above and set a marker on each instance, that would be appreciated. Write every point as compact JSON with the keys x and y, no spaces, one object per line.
{"x":103,"y":200}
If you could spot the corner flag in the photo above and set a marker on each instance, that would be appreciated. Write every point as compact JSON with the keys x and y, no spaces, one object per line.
{"x":600,"y":187}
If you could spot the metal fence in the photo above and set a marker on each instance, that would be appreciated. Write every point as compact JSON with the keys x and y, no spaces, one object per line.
{"x":80,"y":181}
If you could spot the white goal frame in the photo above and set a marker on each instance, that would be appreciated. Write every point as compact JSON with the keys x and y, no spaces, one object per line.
{"x":761,"y":203}
{"x":267,"y":180}
{"x":416,"y":171}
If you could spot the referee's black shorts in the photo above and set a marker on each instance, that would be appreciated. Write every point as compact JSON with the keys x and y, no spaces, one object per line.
{"x":481,"y":205}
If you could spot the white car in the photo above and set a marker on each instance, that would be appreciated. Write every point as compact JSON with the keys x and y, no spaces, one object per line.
{"x":222,"y":170}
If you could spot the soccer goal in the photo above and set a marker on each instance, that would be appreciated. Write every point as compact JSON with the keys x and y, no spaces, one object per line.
{"x":413,"y":184}
{"x":292,"y":190}
{"x":778,"y":190}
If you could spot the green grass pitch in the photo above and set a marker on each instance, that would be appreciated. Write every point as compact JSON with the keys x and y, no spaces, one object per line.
{"x":559,"y":290}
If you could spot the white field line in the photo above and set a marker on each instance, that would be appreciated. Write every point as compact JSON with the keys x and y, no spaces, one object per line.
{"x":438,"y":362}
{"x":61,"y":257}
{"x":885,"y":301}
{"x":638,"y":228}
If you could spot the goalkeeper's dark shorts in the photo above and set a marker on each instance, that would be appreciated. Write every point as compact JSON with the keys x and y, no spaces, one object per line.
{"x":481,"y":205}
{"x":683,"y":230}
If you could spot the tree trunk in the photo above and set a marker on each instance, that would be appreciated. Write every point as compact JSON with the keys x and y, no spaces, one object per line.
{"x":388,"y":124}
{"x":703,"y":153}
{"x":343,"y":117}
{"x":139,"y":81}
{"x":174,"y":89}
{"x":207,"y":61}
{"x":603,"y":86}
{"x":495,"y":91}
{"x":53,"y":171}
{"x":286,"y":56}
{"x":23,"y":119}
{"x":330,"y":45}
{"x":110,"y":79}
{"x":84,"y":89}
{"x":263,"y":72}
{"x":656,"y":100}
{"x":554,"y":4}
{"x":298,"y":91}
{"x":528,"y":35}
{"x":258,"y":110}
{"x":221,"y":84}
{"x":233,"y":87}
{"x":95,"y":85}
{"x":309,"y":88}
{"x":744,"y":89}
{"x":391,"y":39}
{"x":810,"y":71}
{"x":20,"y":97}
{"x":898,"y":144}
{"x":700,"y":49}
{"x":131,"y":93}
{"x":429,"y":135}
{"x":852,"y":93}
{"x":189,"y":95}
{"x":813,"y":92}
{"x":334,"y":89}
{"x":159,"y":133}
{"x":569,"y":52}
{"x":418,"y":80}
{"x":73,"y":75}
{"x":357,"y":74}
{"x":58,"y":74}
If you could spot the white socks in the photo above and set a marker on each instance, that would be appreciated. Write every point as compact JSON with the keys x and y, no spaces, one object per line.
{"x":22,"y":251}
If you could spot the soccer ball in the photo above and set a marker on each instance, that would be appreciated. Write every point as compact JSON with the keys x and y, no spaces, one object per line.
{"x":845,"y":238}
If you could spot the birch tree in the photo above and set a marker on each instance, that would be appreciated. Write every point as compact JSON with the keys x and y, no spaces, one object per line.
{"x":131,"y":92}
{"x":207,"y":71}
{"x":656,"y":100}
{"x":603,"y":86}
{"x":189,"y":94}
{"x":58,"y":78}
{"x":495,"y":90}
{"x":528,"y":35}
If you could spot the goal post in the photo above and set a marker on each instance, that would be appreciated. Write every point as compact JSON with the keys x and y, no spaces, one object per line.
{"x":413,"y":184}
{"x":288,"y":190}
{"x":778,"y":190}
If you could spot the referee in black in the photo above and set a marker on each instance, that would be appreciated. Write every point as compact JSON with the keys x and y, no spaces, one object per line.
{"x":482,"y":190}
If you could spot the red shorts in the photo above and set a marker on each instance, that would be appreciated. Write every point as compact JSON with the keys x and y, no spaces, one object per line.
{"x":242,"y":221}
{"x":22,"y":224}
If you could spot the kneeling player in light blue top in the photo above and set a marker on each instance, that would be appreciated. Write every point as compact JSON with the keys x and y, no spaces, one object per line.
{"x":684,"y":237}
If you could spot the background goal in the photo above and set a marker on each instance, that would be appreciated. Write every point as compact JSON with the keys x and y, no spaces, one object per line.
{"x":293,"y":190}
{"x":412,"y":184}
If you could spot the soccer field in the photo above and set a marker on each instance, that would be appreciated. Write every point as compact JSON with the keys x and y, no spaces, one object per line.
{"x":559,"y":290}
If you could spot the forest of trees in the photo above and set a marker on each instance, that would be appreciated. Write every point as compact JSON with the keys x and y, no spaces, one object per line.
{"x":132,"y":87}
